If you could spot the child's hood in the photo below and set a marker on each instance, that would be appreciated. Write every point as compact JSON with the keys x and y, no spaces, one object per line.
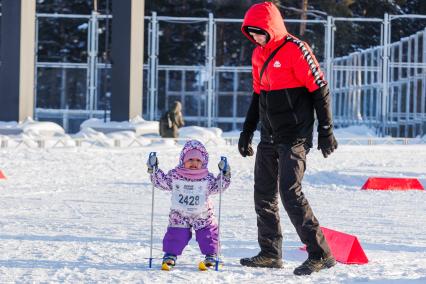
{"x":194,"y":144}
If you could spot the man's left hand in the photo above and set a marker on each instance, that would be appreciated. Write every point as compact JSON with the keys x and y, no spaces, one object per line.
{"x":326,"y":142}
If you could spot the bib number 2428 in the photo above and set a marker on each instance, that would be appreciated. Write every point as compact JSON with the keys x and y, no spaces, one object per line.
{"x":189,"y":200}
{"x":189,"y":197}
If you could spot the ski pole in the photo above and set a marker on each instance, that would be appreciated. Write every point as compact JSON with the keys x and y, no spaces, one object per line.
{"x":152,"y":155}
{"x":220,"y":208}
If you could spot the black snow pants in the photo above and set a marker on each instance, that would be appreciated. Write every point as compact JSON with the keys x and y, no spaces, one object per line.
{"x":287,"y":163}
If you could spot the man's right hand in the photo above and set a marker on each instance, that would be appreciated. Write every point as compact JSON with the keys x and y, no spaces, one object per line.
{"x":244,"y":144}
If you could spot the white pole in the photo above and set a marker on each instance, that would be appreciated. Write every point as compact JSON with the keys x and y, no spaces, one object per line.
{"x":152,"y":226}
{"x":210,"y":69}
{"x":385,"y":78}
{"x":218,"y":217}
{"x":153,"y":65}
{"x":92,"y":62}
{"x":152,"y":211}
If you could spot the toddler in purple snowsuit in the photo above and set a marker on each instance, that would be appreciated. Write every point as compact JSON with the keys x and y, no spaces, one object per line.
{"x":191,"y":184}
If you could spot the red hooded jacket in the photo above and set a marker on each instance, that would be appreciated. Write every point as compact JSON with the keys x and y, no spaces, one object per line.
{"x":293,"y":66}
{"x":292,"y":85}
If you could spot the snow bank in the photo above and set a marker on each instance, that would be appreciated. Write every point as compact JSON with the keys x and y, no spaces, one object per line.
{"x":205,"y":135}
{"x":137,"y":124}
{"x":39,"y":129}
{"x":31,"y":128}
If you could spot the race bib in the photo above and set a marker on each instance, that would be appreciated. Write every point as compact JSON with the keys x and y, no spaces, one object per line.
{"x":189,"y":197}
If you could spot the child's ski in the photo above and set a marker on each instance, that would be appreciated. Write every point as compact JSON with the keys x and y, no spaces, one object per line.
{"x":169,"y":261}
{"x":203,"y":266}
{"x":166,"y":267}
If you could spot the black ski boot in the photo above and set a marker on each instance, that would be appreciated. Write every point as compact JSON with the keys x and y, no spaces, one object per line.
{"x":262,"y":261}
{"x":314,"y":265}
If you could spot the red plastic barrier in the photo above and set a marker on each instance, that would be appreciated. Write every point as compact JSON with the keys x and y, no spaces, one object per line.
{"x":2,"y":176}
{"x":379,"y":183}
{"x":344,"y":247}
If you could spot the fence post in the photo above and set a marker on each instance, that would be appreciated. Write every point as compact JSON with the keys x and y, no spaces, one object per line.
{"x":210,"y":69}
{"x":4,"y":144}
{"x":65,"y":118}
{"x":329,"y":42}
{"x":385,"y":69}
{"x":92,"y":60}
{"x":328,"y":57}
{"x":153,"y":61}
{"x":423,"y":98}
{"x":41,"y":143}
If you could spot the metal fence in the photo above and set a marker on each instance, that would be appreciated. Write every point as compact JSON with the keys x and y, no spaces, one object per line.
{"x":383,"y":86}
{"x":70,"y":91}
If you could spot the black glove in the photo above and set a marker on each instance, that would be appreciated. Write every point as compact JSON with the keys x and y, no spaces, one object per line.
{"x":326,"y":141}
{"x":244,"y":144}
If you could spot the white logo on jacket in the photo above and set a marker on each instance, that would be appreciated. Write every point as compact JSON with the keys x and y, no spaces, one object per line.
{"x":277,"y":64}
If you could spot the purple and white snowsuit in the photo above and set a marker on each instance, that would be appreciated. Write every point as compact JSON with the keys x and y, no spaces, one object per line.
{"x":191,"y":206}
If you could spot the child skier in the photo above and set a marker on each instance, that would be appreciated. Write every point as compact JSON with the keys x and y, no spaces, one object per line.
{"x":191,"y":184}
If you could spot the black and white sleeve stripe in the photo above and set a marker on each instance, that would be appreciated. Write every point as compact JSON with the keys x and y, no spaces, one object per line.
{"x":309,"y":58}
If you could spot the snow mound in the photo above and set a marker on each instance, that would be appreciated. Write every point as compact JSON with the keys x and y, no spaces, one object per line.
{"x":137,"y":125}
{"x":211,"y":135}
{"x":37,"y":129}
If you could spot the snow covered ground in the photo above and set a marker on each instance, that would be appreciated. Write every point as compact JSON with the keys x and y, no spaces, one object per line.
{"x":75,"y":214}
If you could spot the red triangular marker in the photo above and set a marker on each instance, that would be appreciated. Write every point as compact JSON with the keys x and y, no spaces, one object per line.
{"x":2,"y":176}
{"x":344,"y":247}
{"x":381,"y":183}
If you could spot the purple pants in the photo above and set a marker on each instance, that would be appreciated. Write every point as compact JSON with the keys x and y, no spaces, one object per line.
{"x":176,"y":239}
